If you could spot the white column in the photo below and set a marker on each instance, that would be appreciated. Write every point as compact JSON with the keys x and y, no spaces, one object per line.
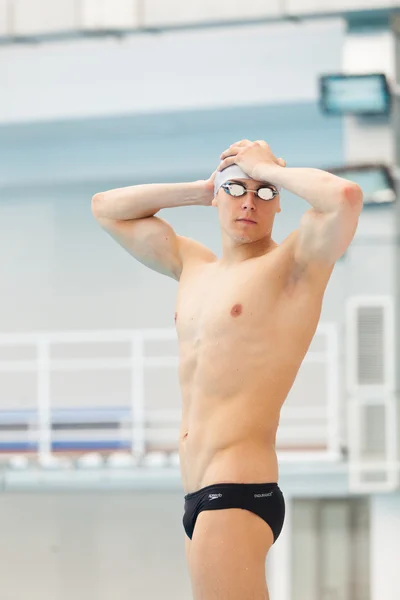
{"x":385,"y":547}
{"x":279,"y":568}
{"x":369,"y":140}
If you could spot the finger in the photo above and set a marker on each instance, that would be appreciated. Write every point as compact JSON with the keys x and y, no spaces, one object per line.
{"x":282,"y":162}
{"x":236,"y":147}
{"x":232,"y":151}
{"x":227,"y":162}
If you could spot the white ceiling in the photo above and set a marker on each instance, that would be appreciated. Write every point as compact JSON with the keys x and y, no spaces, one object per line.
{"x":41,"y":17}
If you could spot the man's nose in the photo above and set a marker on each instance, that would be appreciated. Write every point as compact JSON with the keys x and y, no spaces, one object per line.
{"x":249,"y":201}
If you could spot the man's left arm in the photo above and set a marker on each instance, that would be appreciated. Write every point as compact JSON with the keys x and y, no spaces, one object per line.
{"x":327,"y":229}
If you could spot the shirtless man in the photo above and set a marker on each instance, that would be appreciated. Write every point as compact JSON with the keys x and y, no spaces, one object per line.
{"x":245,"y":322}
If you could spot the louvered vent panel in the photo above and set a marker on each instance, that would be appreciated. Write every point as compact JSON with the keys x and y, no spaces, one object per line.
{"x":373,"y":432}
{"x":370,"y":344}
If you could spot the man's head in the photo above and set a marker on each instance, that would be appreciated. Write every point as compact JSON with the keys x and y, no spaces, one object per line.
{"x":245,"y":216}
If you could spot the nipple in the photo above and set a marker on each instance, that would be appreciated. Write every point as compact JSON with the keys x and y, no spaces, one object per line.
{"x":236,"y":310}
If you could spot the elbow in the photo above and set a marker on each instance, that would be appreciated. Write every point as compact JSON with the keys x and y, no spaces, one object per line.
{"x":97,"y":203}
{"x":352,"y":194}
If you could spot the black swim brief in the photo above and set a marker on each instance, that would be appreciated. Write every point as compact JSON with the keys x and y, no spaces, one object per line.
{"x":264,"y":499}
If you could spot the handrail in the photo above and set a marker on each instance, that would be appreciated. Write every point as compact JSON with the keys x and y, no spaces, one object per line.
{"x":316,"y":423}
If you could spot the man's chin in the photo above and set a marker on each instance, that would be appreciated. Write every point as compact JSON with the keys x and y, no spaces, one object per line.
{"x":243,"y":239}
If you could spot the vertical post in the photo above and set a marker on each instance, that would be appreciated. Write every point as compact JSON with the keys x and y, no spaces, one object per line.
{"x":43,"y":399}
{"x":354,"y":442}
{"x":384,"y":557}
{"x":391,"y":449}
{"x":137,"y":397}
{"x":395,"y":27}
{"x":139,"y":15}
{"x":279,"y":562}
{"x":79,"y":21}
{"x":333,"y":415}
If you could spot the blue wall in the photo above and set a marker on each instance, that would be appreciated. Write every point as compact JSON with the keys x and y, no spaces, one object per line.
{"x":162,"y":146}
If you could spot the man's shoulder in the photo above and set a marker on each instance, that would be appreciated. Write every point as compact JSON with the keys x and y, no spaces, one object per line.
{"x":312,"y":277}
{"x":194,"y":253}
{"x":283,"y":250}
{"x":282,"y":260}
{"x":289,"y":240}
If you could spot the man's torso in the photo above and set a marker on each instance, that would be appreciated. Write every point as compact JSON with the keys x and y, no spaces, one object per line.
{"x":243,"y":332}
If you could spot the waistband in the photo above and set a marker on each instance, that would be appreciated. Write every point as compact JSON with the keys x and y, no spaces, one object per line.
{"x":253,"y":486}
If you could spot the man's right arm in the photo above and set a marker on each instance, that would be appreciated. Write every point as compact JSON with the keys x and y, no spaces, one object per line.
{"x":127,"y":214}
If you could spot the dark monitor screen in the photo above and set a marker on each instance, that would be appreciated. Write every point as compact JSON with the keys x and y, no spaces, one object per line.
{"x":355,"y":94}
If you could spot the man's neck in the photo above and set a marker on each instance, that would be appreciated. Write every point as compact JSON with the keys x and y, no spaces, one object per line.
{"x":237,"y":252}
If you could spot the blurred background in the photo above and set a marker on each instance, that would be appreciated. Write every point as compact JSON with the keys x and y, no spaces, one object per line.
{"x":97,"y":94}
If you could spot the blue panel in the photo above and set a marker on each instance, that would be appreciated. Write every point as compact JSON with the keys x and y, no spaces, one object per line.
{"x":18,"y":447}
{"x":162,"y":147}
{"x":97,"y":445}
{"x":67,"y":446}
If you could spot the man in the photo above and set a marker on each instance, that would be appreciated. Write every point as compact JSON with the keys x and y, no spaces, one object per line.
{"x":245,"y":322}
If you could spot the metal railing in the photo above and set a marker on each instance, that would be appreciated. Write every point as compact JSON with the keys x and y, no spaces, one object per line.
{"x":310,"y":421}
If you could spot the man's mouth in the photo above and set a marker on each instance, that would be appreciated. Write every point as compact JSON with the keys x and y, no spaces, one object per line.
{"x":247,"y":221}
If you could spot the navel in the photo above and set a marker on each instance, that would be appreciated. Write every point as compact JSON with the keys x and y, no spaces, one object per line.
{"x":236,"y":310}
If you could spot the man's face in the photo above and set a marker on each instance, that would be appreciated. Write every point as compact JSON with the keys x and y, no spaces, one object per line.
{"x":247,"y":218}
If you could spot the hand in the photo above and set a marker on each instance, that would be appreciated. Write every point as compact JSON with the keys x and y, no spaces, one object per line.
{"x":249,"y":156}
{"x":209,"y":187}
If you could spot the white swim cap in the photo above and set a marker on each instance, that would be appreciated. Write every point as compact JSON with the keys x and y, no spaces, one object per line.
{"x":232,"y":172}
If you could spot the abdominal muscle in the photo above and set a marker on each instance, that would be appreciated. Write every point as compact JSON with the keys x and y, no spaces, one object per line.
{"x":243,"y":461}
{"x":233,"y":388}
{"x":229,"y":439}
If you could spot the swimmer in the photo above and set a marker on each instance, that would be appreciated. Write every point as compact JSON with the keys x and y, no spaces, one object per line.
{"x":244,"y":323}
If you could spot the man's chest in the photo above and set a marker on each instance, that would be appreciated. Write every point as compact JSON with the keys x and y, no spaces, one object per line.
{"x":210,"y":301}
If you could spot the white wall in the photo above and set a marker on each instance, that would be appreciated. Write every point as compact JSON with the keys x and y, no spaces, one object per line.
{"x":101,"y":545}
{"x":170,"y":71}
{"x":385,"y":547}
{"x":93,"y":546}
